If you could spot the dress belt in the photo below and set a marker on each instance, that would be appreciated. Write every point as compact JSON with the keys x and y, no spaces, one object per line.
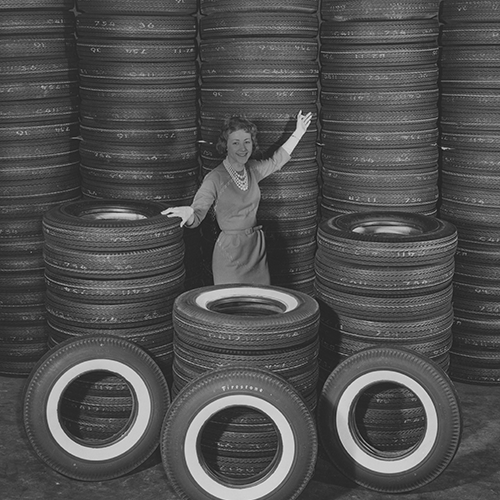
{"x":248,"y":230}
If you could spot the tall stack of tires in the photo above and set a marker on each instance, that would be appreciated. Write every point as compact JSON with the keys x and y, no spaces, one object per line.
{"x":39,"y":162}
{"x":259,"y":60}
{"x":139,"y":117}
{"x":385,"y":279}
{"x":470,"y":140}
{"x":379,"y":95}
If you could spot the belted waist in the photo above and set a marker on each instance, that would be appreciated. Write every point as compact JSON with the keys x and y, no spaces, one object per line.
{"x":248,"y":230}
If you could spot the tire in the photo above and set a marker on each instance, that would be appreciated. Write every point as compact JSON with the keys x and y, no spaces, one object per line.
{"x":142,"y":26}
{"x":262,"y":24}
{"x":37,"y":4}
{"x":96,"y":154}
{"x":46,"y":386}
{"x":216,"y":6}
{"x":185,"y":464}
{"x":403,"y":240}
{"x":347,"y":78}
{"x":361,"y":32}
{"x":258,"y":49}
{"x":368,"y":56}
{"x":341,"y":437}
{"x":107,"y":225}
{"x":364,"y":10}
{"x":244,"y":318}
{"x":40,"y":22}
{"x":134,"y":7}
{"x":468,"y":11}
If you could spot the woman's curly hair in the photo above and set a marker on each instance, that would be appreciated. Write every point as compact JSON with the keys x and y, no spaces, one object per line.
{"x":233,"y":124}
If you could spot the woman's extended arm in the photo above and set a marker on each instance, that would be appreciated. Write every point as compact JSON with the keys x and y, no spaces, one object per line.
{"x":191,"y":216}
{"x":303,"y":122}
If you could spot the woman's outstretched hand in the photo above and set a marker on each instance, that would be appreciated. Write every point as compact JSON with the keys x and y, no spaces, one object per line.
{"x":185,"y":214}
{"x":303,"y":122}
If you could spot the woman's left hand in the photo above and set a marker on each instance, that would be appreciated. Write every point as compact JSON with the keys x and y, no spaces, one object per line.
{"x":303,"y":122}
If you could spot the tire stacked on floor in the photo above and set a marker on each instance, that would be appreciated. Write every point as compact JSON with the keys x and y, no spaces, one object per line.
{"x":38,"y":162}
{"x":113,"y":268}
{"x":258,"y":327}
{"x":139,"y":118}
{"x":379,"y":94}
{"x":259,"y":60}
{"x":385,"y":279}
{"x":470,"y":140}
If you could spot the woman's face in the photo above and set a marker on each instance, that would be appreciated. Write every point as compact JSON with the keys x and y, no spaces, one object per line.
{"x":239,"y":148}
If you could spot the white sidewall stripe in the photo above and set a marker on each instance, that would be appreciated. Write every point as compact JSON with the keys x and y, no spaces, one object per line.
{"x":133,"y":435}
{"x":288,"y":300}
{"x":261,"y":487}
{"x":390,"y":466}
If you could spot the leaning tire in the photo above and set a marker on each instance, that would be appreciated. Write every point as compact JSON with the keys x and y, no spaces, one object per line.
{"x":127,"y":449}
{"x":183,"y":460}
{"x":342,"y":437}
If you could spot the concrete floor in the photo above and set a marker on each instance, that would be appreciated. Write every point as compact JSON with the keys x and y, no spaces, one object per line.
{"x":474,"y":473}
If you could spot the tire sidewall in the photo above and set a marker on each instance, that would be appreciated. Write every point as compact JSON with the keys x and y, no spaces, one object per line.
{"x":226,"y":388}
{"x":45,"y":389}
{"x":437,"y":395}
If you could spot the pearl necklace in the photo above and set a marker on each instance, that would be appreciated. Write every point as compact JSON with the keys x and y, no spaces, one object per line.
{"x":240,"y":179}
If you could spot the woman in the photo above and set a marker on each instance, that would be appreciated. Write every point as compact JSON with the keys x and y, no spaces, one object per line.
{"x":233,"y":188}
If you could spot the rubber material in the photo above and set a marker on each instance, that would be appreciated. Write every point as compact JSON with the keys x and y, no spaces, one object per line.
{"x":45,"y":389}
{"x":341,"y":436}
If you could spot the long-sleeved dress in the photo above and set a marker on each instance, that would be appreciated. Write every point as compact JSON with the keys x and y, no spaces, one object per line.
{"x":240,"y":252}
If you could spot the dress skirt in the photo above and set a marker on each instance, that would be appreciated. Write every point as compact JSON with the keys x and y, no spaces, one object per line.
{"x":240,"y":257}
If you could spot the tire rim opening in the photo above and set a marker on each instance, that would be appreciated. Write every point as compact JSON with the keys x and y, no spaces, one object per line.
{"x":387,"y":227}
{"x":97,"y":409}
{"x":111,"y":214}
{"x":247,"y":306}
{"x":388,"y":421}
{"x":239,"y":446}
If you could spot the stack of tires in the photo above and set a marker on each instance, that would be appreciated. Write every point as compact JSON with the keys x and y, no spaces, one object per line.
{"x":379,"y":94}
{"x":138,"y":88}
{"x":113,"y":268}
{"x":259,"y":60}
{"x":39,"y":162}
{"x":258,"y":327}
{"x":385,"y":279}
{"x":139,"y":117}
{"x":470,"y":139}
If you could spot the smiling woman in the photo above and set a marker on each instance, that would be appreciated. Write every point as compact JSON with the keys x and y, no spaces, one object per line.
{"x":233,"y":190}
